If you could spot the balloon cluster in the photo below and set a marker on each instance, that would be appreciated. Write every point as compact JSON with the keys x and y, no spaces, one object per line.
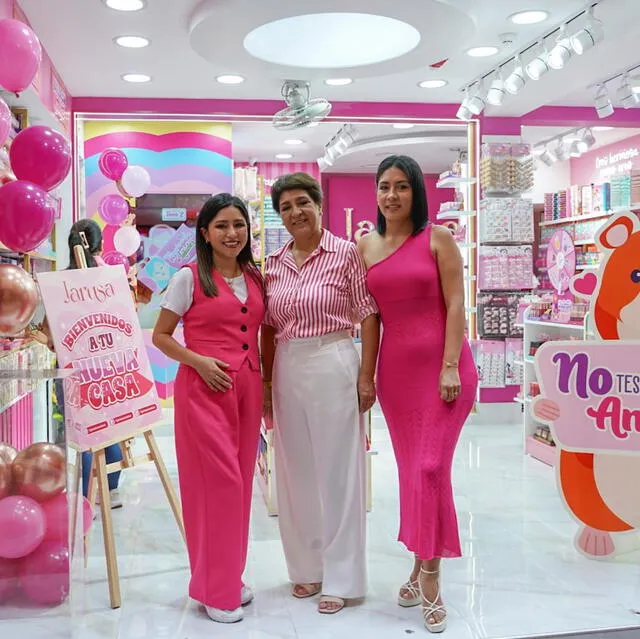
{"x":34,"y":523}
{"x":131,"y":181}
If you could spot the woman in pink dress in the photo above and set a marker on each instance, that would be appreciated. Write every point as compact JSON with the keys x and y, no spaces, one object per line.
{"x":427,"y":378}
{"x":218,"y":400}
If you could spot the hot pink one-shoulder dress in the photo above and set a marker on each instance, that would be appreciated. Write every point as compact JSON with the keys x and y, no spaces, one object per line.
{"x":424,"y":429}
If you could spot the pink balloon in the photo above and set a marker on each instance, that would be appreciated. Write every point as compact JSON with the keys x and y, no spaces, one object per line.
{"x":26,"y":216}
{"x":42,"y":156}
{"x":8,"y":574}
{"x":5,"y":121}
{"x":22,"y":524}
{"x":113,"y":258}
{"x":113,"y":163}
{"x":113,"y":209}
{"x":136,"y":181}
{"x":20,"y":55}
{"x":57,"y":514}
{"x":127,"y":240}
{"x":44,"y":574}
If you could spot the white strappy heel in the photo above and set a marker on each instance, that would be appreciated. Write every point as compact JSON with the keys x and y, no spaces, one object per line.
{"x":413,"y":588}
{"x":433,"y":607}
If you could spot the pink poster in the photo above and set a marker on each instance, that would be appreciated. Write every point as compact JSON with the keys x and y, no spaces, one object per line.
{"x":111,"y":394}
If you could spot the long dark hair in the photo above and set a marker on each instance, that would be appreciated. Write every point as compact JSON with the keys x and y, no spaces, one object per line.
{"x":87,"y":234}
{"x":419,"y":208}
{"x":204,"y":252}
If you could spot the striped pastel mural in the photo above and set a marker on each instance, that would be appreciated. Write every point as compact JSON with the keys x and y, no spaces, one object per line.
{"x":190,"y":157}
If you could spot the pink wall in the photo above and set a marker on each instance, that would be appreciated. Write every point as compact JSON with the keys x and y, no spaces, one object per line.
{"x":606,"y":162}
{"x":359,"y":193}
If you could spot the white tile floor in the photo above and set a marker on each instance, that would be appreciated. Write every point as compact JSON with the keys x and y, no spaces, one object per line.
{"x":520,"y":575}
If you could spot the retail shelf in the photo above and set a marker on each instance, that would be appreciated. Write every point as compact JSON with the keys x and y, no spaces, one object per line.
{"x":518,"y":362}
{"x":545,"y":453}
{"x":48,"y":257}
{"x":577,"y":327}
{"x":587,"y":267}
{"x":577,"y":218}
{"x":583,"y":242}
{"x":452,"y":215}
{"x":453,"y":182}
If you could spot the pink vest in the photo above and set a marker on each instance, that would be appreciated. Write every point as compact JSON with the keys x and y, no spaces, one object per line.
{"x":222,"y":326}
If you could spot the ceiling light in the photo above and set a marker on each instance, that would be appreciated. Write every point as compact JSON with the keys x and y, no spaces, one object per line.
{"x":626,"y":95}
{"x":366,"y":39}
{"x":230,"y":79}
{"x":539,"y":65}
{"x":589,"y":36}
{"x":529,"y":17}
{"x":464,"y":112}
{"x":433,"y":84}
{"x":516,"y":80}
{"x":312,"y":124}
{"x":294,"y":142}
{"x":561,"y":52}
{"x":126,"y":5}
{"x":587,"y":140}
{"x":496,"y":93}
{"x":132,"y":42}
{"x":477,"y":102}
{"x":482,"y":52}
{"x":574,"y":150}
{"x":402,"y":125}
{"x":283,"y":156}
{"x":602,"y":102}
{"x":136,"y":78}
{"x":560,"y":152}
{"x":548,"y":157}
{"x":602,"y":128}
{"x":338,"y":82}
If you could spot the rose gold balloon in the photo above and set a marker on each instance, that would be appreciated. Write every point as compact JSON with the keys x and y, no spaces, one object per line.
{"x":18,"y":299}
{"x":7,"y":453}
{"x":39,"y":471}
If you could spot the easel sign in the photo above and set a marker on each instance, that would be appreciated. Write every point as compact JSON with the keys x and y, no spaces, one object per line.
{"x":110,"y":396}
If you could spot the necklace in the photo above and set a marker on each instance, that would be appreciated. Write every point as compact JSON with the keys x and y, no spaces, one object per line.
{"x":230,"y":280}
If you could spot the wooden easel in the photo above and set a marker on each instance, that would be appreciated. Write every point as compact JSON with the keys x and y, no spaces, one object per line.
{"x":99,"y":484}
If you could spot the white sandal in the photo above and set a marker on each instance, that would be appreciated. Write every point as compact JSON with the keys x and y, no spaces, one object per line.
{"x":413,"y":588}
{"x":433,"y":607}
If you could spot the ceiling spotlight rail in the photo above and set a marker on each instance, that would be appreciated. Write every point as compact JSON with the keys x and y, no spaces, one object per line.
{"x":568,"y":41}
{"x":569,"y":144}
{"x":337,"y":146}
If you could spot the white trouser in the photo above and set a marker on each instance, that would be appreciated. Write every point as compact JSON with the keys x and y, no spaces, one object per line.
{"x":320,"y":463}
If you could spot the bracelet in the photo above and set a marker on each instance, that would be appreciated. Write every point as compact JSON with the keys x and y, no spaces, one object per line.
{"x":450,"y":364}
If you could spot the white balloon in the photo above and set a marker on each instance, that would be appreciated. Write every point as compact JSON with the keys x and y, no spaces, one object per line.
{"x":136,"y":181}
{"x":127,"y":240}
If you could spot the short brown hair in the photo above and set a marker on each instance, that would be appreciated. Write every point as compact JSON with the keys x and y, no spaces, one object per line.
{"x":296,"y":182}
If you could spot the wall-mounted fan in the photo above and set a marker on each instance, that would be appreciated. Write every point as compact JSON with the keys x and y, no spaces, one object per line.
{"x":301,"y":110}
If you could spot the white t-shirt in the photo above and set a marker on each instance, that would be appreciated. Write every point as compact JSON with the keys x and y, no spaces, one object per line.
{"x":179,"y":294}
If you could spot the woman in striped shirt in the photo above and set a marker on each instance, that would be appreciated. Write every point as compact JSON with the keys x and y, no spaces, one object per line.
{"x":316,"y":292}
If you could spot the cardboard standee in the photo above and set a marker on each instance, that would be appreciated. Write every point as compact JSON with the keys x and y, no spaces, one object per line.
{"x":94,"y":417}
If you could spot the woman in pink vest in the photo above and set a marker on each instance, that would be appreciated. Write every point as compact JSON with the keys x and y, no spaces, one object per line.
{"x":218,"y":400}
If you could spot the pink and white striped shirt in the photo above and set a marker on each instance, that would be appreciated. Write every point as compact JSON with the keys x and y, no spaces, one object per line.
{"x":327,"y":294}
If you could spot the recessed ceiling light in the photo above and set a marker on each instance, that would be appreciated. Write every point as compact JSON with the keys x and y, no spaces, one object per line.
{"x":283,"y":156}
{"x":230,"y":79}
{"x":293,"y":142}
{"x":338,"y":82}
{"x":126,"y":5}
{"x":602,"y":128}
{"x":132,"y":42}
{"x":529,"y":17}
{"x":482,"y":52}
{"x":433,"y":84}
{"x":312,"y":124}
{"x":402,"y":125}
{"x":136,"y":78}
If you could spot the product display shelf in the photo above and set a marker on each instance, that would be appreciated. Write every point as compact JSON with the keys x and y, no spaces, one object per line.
{"x":535,"y":332}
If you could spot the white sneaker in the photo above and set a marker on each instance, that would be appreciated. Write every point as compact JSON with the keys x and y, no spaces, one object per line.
{"x":247,"y":595}
{"x":225,"y":616}
{"x":116,"y":500}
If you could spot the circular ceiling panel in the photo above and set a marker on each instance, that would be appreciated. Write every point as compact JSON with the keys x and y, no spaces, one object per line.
{"x":340,"y":40}
{"x":375,"y":38}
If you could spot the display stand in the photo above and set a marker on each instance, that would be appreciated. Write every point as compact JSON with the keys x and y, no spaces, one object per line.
{"x":99,"y":484}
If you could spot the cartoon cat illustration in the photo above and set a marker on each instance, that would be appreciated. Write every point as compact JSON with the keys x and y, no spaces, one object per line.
{"x":616,"y":316}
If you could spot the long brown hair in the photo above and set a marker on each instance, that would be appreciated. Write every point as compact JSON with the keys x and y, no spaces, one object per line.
{"x":204,"y":252}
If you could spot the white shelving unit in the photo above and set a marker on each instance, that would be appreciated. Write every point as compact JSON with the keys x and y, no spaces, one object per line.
{"x":535,"y":330}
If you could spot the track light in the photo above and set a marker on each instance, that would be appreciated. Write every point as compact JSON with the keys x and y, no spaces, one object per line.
{"x":562,"y":51}
{"x":589,"y":36}
{"x":560,"y":152}
{"x":516,"y":81}
{"x":587,"y":140}
{"x":626,"y":95}
{"x":547,"y":157}
{"x":477,"y":101}
{"x":602,"y":102}
{"x":464,"y":112}
{"x":574,"y":149}
{"x":496,"y":93}
{"x":539,"y":66}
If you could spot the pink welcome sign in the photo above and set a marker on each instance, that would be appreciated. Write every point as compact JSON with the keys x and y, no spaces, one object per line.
{"x":590,"y":395}
{"x":96,"y":333}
